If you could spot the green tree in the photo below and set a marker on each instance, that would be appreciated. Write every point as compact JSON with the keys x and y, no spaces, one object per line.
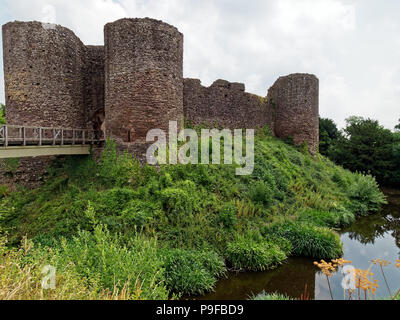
{"x":366,"y":146}
{"x":328,"y":134}
{"x":397,"y":127}
{"x":396,"y":158}
{"x":2,"y":113}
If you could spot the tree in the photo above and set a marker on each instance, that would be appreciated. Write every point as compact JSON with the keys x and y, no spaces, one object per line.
{"x":328,"y":134}
{"x":396,"y":158}
{"x":2,"y":113}
{"x":366,"y":146}
{"x":397,"y":127}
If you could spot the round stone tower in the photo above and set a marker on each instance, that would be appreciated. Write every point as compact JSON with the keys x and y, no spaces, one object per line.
{"x":43,"y":67}
{"x":143,"y":79}
{"x":295,"y":103}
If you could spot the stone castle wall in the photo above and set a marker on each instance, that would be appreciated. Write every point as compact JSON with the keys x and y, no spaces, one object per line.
{"x":224,"y":104}
{"x":290,"y":108}
{"x":295,"y":101}
{"x":144,"y":72}
{"x":94,"y":87}
{"x":51,"y":78}
{"x":134,"y":83}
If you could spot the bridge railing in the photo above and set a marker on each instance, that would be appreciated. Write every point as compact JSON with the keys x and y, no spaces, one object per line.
{"x":12,"y":135}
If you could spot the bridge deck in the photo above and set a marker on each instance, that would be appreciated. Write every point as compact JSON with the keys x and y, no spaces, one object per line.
{"x":24,"y":141}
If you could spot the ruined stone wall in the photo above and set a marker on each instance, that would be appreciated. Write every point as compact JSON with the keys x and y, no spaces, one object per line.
{"x":28,"y":172}
{"x":295,"y":99}
{"x":290,"y":110}
{"x":44,"y":76}
{"x":144,"y":79}
{"x":224,"y":104}
{"x":94,"y":86}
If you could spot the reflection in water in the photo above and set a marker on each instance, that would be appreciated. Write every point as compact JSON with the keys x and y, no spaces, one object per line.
{"x":376,"y":236}
{"x":291,"y":279}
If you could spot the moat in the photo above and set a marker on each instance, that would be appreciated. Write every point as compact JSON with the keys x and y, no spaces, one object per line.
{"x":372,"y":237}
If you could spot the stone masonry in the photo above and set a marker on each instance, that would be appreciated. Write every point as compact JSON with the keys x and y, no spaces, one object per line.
{"x":144,"y":79}
{"x":134,"y":83}
{"x":294,"y":99}
{"x":225,"y":105}
{"x":44,"y":76}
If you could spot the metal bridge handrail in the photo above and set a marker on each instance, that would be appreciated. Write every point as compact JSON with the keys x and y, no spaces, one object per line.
{"x":44,"y":128}
{"x":41,"y":135}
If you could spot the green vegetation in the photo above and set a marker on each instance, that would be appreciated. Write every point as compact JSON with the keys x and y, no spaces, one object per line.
{"x":309,"y":240}
{"x":192,"y":272}
{"x":274,"y":296}
{"x":364,"y":146}
{"x":119,"y":228}
{"x":250,"y":254}
{"x":328,"y":134}
{"x":2,"y":114}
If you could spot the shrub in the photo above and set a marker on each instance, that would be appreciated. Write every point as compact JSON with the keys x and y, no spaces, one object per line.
{"x":114,"y":201}
{"x":227,"y":216}
{"x":340,"y":217}
{"x":310,"y":241}
{"x":181,"y":202}
{"x":247,"y":253}
{"x":118,"y":170}
{"x":191,"y":272}
{"x":365,"y":195}
{"x":138,"y":213}
{"x":261,"y":193}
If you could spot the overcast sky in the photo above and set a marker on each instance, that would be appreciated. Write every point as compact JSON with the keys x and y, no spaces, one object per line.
{"x":352,"y":46}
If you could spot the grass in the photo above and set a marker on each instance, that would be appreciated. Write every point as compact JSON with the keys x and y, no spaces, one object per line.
{"x":21,"y":277}
{"x":263,"y":296}
{"x":169,"y":231}
{"x":308,"y":240}
{"x":249,"y":254}
{"x":192,"y":272}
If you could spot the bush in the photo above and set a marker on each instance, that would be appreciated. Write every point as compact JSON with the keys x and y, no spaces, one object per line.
{"x":309,"y":241}
{"x":227,"y":216}
{"x":261,"y":193}
{"x":191,"y":272}
{"x":181,"y":202}
{"x":365,"y":195}
{"x":341,"y":217}
{"x":118,"y":170}
{"x":247,"y":253}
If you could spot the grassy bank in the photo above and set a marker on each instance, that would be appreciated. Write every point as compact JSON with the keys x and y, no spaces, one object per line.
{"x":125,"y":231}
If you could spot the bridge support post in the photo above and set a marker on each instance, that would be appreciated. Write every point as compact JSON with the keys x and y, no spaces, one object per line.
{"x":6,"y":136}
{"x":40,"y":136}
{"x":23,"y":137}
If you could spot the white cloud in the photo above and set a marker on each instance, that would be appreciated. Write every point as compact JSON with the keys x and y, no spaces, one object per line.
{"x":351,"y":45}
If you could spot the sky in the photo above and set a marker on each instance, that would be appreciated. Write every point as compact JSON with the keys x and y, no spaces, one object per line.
{"x":352,"y":46}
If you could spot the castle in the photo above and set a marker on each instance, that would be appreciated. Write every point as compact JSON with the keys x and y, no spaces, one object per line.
{"x":134,"y":83}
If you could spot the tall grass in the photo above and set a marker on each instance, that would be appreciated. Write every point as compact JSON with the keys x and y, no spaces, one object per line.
{"x":21,"y":277}
{"x":249,"y":254}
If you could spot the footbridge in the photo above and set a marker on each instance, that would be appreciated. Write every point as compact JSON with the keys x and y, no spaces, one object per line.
{"x":24,"y":141}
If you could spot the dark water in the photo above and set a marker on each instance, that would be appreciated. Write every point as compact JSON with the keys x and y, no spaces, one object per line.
{"x":376,"y":236}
